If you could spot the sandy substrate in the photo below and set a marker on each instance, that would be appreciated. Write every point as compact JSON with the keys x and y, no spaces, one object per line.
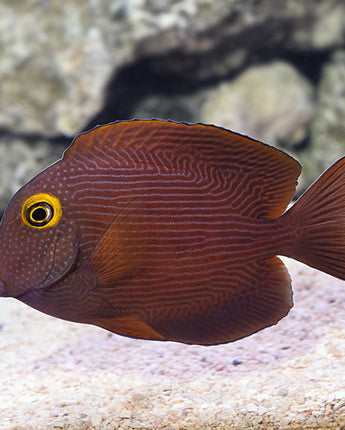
{"x":59,"y":375}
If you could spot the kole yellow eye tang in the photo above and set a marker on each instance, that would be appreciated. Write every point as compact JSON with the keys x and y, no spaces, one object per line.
{"x":169,"y":231}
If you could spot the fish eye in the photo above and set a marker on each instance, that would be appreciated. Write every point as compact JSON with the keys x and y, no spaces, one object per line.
{"x":41,"y":210}
{"x":39,"y":214}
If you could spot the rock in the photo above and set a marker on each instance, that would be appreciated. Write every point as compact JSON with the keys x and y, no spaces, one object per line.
{"x":54,"y":64}
{"x":59,"y":58}
{"x":96,"y":420}
{"x":247,"y":29}
{"x":124,"y":413}
{"x":328,"y":126}
{"x":271,"y":102}
{"x":137,"y":396}
{"x":136,"y":425}
{"x":327,"y":26}
{"x":185,"y":107}
{"x":20,"y":161}
{"x":339,"y":405}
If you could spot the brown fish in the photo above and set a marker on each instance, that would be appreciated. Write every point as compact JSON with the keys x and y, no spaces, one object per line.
{"x":169,"y":231}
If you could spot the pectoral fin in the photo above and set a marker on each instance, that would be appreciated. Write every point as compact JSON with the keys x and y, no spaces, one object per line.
{"x":116,"y":254}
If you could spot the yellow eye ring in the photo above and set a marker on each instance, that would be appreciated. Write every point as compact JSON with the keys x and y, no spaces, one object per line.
{"x":41,"y":211}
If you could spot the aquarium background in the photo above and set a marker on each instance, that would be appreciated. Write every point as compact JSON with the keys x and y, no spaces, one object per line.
{"x":271,"y":69}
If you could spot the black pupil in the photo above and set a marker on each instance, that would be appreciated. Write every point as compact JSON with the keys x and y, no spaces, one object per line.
{"x":39,"y":214}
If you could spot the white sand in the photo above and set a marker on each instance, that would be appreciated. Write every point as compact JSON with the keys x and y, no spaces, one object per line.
{"x":59,"y":375}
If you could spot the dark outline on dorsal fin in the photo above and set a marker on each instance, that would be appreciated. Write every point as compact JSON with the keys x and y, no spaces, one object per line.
{"x":272,"y":171}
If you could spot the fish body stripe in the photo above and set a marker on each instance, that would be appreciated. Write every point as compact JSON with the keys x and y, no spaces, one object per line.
{"x":197,"y":227}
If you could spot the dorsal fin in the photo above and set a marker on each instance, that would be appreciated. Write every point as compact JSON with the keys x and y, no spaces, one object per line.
{"x":268,"y":174}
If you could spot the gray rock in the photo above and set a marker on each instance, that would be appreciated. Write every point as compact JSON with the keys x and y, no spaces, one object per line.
{"x":184,"y":107}
{"x":57,"y":58}
{"x":328,"y":125}
{"x":20,"y":161}
{"x":250,"y":28}
{"x":54,"y":63}
{"x":272,"y":103}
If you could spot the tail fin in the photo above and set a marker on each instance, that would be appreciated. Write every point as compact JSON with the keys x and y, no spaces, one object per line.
{"x":318,"y":220}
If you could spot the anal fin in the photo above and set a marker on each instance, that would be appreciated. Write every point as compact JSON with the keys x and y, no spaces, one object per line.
{"x":262,"y":299}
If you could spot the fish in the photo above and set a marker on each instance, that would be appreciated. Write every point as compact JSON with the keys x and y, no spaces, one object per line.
{"x":169,"y":231}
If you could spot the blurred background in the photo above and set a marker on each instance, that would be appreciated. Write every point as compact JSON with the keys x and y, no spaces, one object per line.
{"x":272,"y":69}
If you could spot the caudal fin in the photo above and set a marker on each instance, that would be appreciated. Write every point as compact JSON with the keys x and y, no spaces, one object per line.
{"x":318,"y":220}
